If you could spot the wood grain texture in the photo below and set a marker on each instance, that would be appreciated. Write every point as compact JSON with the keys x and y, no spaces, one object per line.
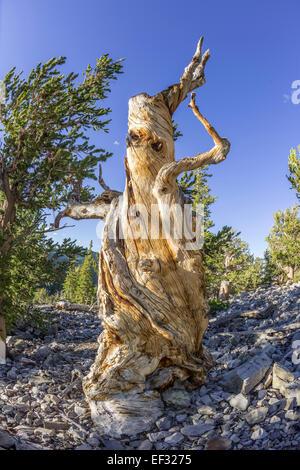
{"x":151,"y":290}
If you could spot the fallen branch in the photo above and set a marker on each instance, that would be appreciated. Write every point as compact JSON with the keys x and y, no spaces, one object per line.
{"x":268,"y":331}
{"x":62,"y":305}
{"x":259,"y":314}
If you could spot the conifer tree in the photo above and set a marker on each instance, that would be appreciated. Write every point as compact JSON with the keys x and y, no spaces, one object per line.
{"x":70,"y":285}
{"x":80,"y":284}
{"x":284,"y":241}
{"x":294,"y":170}
{"x":45,"y":155}
{"x":195,"y":186}
{"x":86,"y":287}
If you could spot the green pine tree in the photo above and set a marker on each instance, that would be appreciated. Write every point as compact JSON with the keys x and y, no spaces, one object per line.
{"x":294,"y":169}
{"x":284,"y":241}
{"x":80,"y":284}
{"x":86,"y":291}
{"x":45,"y":153}
{"x":70,"y":284}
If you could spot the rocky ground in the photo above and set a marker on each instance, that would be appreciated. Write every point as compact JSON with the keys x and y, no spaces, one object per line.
{"x":251,"y":399}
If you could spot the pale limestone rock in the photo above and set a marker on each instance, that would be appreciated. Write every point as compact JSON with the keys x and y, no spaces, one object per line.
{"x":128,"y":413}
{"x":240,"y":401}
{"x":257,"y":415}
{"x":245,"y":377}
{"x":281,"y":376}
{"x":292,"y":390}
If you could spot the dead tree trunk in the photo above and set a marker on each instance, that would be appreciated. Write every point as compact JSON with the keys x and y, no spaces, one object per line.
{"x":224,"y":291}
{"x":151,"y":289}
{"x":290,"y":274}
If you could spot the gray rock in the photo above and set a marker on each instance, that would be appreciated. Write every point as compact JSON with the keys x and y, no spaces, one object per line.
{"x":56,"y":425}
{"x":112,"y":444}
{"x":259,"y":433}
{"x":203,"y":391}
{"x":196,"y":430}
{"x":12,"y":374}
{"x":281,"y":376}
{"x":174,"y":439}
{"x":180,"y":418}
{"x":218,"y":444}
{"x":206,"y":410}
{"x":261,"y":394}
{"x":128,"y":413}
{"x":217,"y":396}
{"x":79,"y":410}
{"x":24,"y":445}
{"x":257,"y":415}
{"x":42,"y":353}
{"x":206,"y":400}
{"x":6,"y":440}
{"x":274,"y":420}
{"x":245,"y":377}
{"x":83,"y":447}
{"x":292,"y":415}
{"x":93,"y":442}
{"x":145,"y":445}
{"x":240,"y":401}
{"x":164,"y":423}
{"x":292,"y":390}
{"x":157,"y":436}
{"x":177,"y":398}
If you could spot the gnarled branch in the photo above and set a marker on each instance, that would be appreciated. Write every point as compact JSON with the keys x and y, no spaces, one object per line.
{"x":193,"y":77}
{"x":97,"y":209}
{"x":101,"y":180}
{"x":166,"y":178}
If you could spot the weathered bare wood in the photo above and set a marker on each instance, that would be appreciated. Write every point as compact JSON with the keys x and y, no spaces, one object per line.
{"x":192,"y":78}
{"x":151,"y":288}
{"x":167,"y":175}
{"x":62,"y":305}
{"x":97,"y":209}
{"x":224,"y":291}
{"x":266,"y":333}
{"x":246,"y":314}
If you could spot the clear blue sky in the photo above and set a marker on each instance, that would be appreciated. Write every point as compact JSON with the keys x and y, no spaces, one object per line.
{"x":255,"y":57}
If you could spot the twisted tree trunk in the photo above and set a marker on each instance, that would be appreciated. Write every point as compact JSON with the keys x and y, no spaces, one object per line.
{"x":151,"y":288}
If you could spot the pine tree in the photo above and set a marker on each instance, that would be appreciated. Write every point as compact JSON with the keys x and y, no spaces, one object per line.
{"x":70,"y":284}
{"x":271,"y":271}
{"x":86,"y":289}
{"x":80,"y":284}
{"x":294,"y":169}
{"x":45,"y":155}
{"x":284,"y":241}
{"x":195,"y":186}
{"x":226,"y":255}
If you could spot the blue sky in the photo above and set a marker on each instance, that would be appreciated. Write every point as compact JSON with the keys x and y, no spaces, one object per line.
{"x":254,"y":60}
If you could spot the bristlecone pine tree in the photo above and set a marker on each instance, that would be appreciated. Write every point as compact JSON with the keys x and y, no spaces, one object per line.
{"x":284,"y":241}
{"x":79,"y":285}
{"x":152,"y":290}
{"x":44,"y":154}
{"x":294,"y":170}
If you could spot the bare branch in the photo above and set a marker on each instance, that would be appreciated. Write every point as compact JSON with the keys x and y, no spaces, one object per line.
{"x":210,"y":129}
{"x":166,"y":178}
{"x":193,"y":77}
{"x":54,"y":229}
{"x":101,"y":180}
{"x":98,"y":209}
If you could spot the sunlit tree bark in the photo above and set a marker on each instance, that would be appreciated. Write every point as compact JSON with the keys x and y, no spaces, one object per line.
{"x":151,"y":290}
